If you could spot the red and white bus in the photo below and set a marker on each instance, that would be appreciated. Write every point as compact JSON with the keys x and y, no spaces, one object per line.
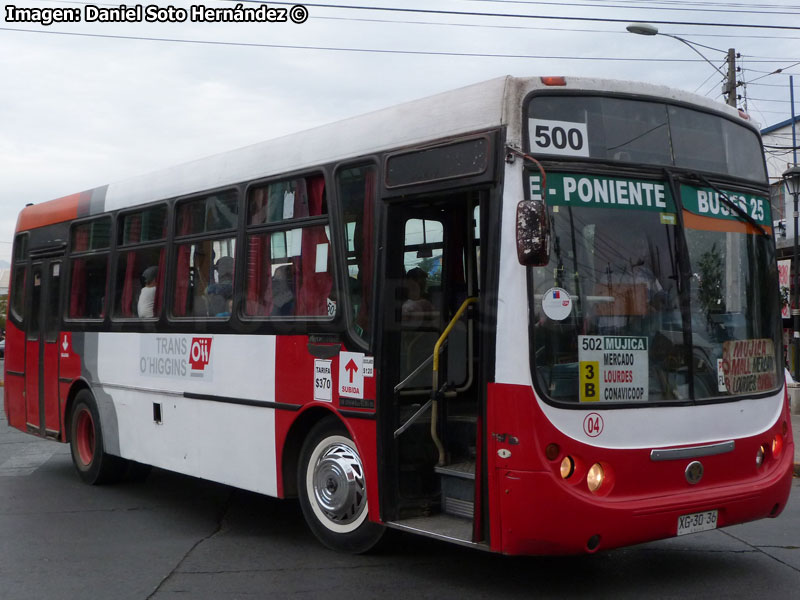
{"x":532,"y":316}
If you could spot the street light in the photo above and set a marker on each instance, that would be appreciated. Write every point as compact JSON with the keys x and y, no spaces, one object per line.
{"x":792,"y":179}
{"x":730,"y":79}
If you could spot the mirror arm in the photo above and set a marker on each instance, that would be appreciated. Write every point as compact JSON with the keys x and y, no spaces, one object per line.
{"x":533,"y":223}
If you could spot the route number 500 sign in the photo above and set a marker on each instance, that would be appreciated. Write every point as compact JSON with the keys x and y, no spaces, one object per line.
{"x":558,"y":137}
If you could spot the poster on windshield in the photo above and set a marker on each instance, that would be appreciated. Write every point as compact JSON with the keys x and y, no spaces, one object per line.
{"x":748,"y":366}
{"x":613,"y":368}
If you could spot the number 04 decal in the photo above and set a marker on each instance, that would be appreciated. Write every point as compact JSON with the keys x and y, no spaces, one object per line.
{"x":558,"y":137}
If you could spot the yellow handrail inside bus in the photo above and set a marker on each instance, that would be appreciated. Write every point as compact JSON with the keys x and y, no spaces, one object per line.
{"x":435,"y":402}
{"x":448,"y":329}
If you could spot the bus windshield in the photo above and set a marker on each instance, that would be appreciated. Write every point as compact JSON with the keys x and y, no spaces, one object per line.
{"x":651,"y":133}
{"x":634,"y":308}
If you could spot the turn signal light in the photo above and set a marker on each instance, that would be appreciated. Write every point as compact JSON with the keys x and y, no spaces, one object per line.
{"x":595,"y":477}
{"x":777,"y":445}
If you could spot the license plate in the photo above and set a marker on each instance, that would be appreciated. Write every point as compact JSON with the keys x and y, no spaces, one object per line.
{"x":702,"y":521}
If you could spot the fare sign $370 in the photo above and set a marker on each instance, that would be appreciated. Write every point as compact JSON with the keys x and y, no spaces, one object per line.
{"x":323,"y":380}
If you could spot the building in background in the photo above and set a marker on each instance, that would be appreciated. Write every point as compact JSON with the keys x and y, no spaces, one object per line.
{"x":778,"y":151}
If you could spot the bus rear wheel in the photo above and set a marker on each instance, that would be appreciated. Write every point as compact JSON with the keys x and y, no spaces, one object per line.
{"x":333,"y":491}
{"x":93,"y":464}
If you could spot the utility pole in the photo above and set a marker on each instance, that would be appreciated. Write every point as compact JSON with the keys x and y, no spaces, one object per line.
{"x":730,"y":83}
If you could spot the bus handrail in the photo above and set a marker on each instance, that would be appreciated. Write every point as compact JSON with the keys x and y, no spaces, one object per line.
{"x":435,"y":385}
{"x":446,"y":333}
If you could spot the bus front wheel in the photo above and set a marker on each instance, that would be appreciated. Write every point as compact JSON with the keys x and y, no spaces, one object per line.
{"x":333,"y":492}
{"x":94,"y":466}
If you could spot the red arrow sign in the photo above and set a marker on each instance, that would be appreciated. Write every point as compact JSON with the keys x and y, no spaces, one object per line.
{"x":351,"y":368}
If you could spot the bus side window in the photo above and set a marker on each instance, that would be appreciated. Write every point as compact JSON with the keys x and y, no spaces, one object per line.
{"x":356,"y":187}
{"x":141,"y":275}
{"x":89,"y":269}
{"x":204,"y":269}
{"x":288,"y":268}
{"x":17,"y":307}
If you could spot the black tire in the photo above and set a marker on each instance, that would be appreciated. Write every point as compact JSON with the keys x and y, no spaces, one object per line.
{"x":333,"y":492}
{"x":93,"y":464}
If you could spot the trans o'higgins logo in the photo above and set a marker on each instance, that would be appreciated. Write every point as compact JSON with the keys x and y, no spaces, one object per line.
{"x":176,"y":357}
{"x":199,"y":354}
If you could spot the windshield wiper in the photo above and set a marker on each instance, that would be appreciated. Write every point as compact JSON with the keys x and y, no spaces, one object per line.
{"x":730,"y":203}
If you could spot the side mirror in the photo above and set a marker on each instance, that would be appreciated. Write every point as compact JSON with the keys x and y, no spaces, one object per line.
{"x":533,"y":233}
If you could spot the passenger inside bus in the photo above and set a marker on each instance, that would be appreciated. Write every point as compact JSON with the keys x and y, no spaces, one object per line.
{"x":147,"y":296}
{"x":221,"y":291}
{"x":283,"y":291}
{"x":416,"y":305}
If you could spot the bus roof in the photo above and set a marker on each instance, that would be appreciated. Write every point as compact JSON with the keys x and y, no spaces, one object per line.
{"x":477,"y":107}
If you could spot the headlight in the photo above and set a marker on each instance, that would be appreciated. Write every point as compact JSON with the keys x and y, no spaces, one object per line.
{"x":595,"y":476}
{"x":567,"y":467}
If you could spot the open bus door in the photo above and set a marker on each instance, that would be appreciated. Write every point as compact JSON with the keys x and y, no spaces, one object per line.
{"x":433,"y":429}
{"x":41,"y":348}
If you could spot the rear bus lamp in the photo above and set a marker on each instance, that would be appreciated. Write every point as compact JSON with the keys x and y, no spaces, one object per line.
{"x":595,"y":477}
{"x":554,"y":80}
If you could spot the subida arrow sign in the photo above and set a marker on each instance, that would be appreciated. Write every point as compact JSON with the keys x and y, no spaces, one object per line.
{"x":351,"y":374}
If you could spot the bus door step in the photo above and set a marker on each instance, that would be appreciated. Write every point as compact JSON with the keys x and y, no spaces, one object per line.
{"x":458,"y":488}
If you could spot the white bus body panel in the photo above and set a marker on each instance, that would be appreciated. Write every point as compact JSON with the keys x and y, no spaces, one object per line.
{"x":225,"y":442}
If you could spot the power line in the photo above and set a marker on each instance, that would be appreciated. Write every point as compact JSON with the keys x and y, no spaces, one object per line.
{"x":776,"y":85}
{"x":767,"y":100}
{"x":350,"y":49}
{"x":659,"y":8}
{"x":520,"y":16}
{"x":660,"y":3}
{"x":487,"y":25}
{"x":705,"y":82}
{"x":774,"y":112}
{"x":775,"y":72}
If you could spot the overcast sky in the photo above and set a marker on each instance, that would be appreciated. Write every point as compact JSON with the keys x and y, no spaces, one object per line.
{"x":79,"y":111}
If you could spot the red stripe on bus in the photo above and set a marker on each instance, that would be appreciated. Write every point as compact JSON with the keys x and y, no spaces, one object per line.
{"x":47,"y":213}
{"x":693,"y":221}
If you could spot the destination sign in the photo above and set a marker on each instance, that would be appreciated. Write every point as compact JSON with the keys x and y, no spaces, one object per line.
{"x":709,"y":203}
{"x":613,"y":368}
{"x":565,"y":189}
{"x":589,"y":190}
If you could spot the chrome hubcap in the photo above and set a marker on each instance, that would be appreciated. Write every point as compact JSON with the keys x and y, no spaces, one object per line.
{"x":338,"y":480}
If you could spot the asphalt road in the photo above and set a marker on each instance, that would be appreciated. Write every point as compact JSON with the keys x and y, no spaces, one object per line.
{"x":172,"y":536}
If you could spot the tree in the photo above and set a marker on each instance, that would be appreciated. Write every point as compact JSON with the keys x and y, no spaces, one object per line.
{"x":711,"y":292}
